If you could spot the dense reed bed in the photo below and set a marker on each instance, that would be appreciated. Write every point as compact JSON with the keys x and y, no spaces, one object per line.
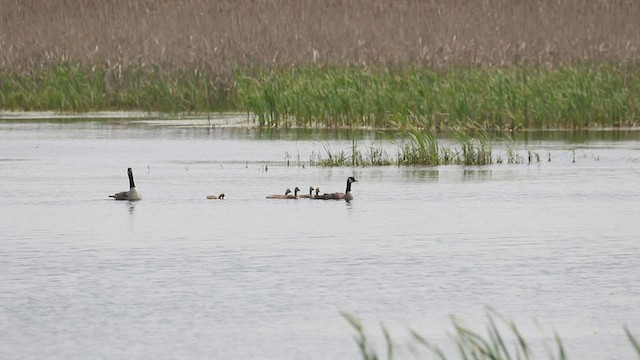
{"x":72,"y":87}
{"x":501,"y":64}
{"x":403,"y":97}
{"x":503,"y":340}
{"x":226,"y":34}
{"x":572,"y":96}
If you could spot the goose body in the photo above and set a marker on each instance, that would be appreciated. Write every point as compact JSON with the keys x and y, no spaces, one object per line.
{"x":214,"y":197}
{"x":304,"y":196}
{"x":132,"y":194}
{"x":347,"y":195}
{"x":280,"y":196}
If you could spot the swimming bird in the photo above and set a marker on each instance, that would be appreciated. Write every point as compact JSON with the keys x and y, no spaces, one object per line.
{"x":214,"y":197}
{"x":304,"y":196}
{"x":347,"y":195}
{"x":295,"y":194}
{"x":280,"y":196}
{"x":130,"y":195}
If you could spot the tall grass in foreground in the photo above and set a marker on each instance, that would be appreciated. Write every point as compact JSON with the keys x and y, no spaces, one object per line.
{"x":503,"y":341}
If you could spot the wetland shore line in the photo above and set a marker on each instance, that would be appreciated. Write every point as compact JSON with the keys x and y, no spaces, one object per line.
{"x":518,"y":97}
{"x":497,"y":64}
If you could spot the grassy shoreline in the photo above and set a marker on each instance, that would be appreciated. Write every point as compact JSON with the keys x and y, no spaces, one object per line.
{"x":521,"y":97}
{"x":415,"y":102}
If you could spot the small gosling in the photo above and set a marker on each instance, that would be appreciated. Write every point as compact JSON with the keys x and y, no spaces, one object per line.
{"x":295,"y":194}
{"x":304,"y":196}
{"x":280,"y":196}
{"x":214,"y":197}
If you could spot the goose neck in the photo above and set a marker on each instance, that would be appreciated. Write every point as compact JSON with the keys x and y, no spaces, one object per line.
{"x":131,"y":183}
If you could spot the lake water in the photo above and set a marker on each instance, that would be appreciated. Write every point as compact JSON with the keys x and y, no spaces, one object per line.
{"x":552,"y":245}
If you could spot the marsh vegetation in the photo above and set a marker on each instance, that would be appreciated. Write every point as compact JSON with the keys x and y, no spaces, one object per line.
{"x":224,"y":35}
{"x":524,"y":97}
{"x":497,"y":63}
{"x":412,"y":147}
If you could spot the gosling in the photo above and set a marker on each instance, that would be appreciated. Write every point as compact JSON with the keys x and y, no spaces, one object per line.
{"x":280,"y":196}
{"x":214,"y":197}
{"x":295,"y":194}
{"x":304,"y":196}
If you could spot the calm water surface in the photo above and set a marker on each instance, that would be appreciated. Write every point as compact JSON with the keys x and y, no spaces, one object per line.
{"x":554,"y":245}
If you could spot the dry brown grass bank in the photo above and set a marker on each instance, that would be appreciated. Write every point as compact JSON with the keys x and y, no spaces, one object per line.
{"x":217,"y":34}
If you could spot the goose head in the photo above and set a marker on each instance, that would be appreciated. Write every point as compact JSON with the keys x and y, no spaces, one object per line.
{"x":350,"y":180}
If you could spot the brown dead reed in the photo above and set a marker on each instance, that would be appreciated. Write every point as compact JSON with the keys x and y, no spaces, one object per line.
{"x":226,"y":33}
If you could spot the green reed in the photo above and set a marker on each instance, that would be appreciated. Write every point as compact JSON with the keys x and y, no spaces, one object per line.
{"x":75,"y":88}
{"x":633,"y":340}
{"x":420,"y":147}
{"x":503,"y":340}
{"x":414,"y":147}
{"x":475,"y":149}
{"x":354,"y":157}
{"x":393,"y":96}
{"x":527,"y":96}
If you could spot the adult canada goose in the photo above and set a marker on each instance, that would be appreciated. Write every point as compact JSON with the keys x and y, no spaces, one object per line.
{"x":304,"y":196}
{"x":347,"y":195}
{"x":130,"y":195}
{"x":214,"y":197}
{"x":280,"y":196}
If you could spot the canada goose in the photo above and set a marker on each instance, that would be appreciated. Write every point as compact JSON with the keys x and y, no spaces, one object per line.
{"x":130,"y":195}
{"x":214,"y":197}
{"x":304,"y":196}
{"x":338,"y":195}
{"x":295,"y":194}
{"x":280,"y":196}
